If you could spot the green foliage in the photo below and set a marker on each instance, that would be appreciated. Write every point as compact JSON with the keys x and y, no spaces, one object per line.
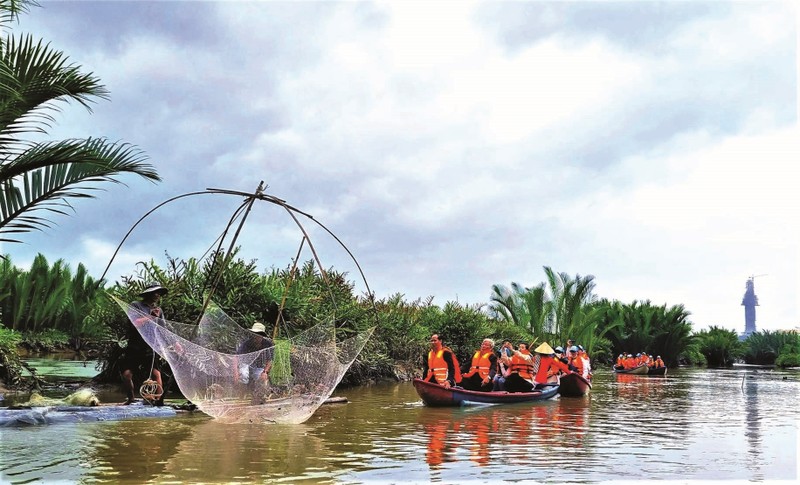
{"x":10,"y":364}
{"x":720,"y":346}
{"x":461,"y":328}
{"x":765,"y":347}
{"x":552,"y":311}
{"x":788,"y":360}
{"x":49,"y":297}
{"x":644,"y":327}
{"x":46,"y":340}
{"x":38,"y":178}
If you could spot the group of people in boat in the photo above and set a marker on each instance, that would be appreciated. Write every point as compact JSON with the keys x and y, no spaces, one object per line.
{"x":629,"y":361}
{"x":509,"y":369}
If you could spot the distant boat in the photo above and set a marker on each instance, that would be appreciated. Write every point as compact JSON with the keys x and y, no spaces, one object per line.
{"x":638,"y":370}
{"x":574,"y":385}
{"x":436,"y":395}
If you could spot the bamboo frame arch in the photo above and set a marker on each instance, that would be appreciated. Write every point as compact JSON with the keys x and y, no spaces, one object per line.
{"x":243,"y":211}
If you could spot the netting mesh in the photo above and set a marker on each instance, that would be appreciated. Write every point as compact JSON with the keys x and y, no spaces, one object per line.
{"x":237,"y":376}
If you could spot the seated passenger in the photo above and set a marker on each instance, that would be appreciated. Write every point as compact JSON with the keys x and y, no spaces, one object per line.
{"x":441,"y":365}
{"x":482,"y":371}
{"x":520,"y":377}
{"x":503,"y":371}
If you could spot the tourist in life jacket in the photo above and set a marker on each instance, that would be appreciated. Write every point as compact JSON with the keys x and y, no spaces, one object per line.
{"x":630,"y":362}
{"x":620,"y":361}
{"x":545,"y":364}
{"x":441,"y":365}
{"x":575,"y":363}
{"x":520,"y":377}
{"x":646,"y":360}
{"x":658,"y":362}
{"x":483,"y":369}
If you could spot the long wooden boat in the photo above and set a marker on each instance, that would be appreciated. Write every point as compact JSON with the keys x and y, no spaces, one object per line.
{"x":639,"y":370}
{"x":657,"y":371}
{"x":574,"y":385}
{"x":437,"y":395}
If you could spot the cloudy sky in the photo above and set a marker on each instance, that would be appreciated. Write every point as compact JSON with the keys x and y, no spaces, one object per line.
{"x":454,"y":145}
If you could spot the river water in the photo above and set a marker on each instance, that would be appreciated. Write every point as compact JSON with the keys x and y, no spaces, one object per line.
{"x":693,"y":424}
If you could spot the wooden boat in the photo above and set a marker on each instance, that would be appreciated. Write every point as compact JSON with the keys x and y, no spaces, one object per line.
{"x":574,"y":385}
{"x":657,"y":371}
{"x":638,"y":370}
{"x":437,"y":395}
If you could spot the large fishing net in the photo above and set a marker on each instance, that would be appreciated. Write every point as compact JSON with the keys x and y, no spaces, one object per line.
{"x":238,"y":376}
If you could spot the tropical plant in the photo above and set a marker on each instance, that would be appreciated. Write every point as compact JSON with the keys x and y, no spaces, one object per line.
{"x":764,"y":347}
{"x":552,"y":311}
{"x":645,"y":327}
{"x":37,"y":179}
{"x":720,"y":346}
{"x":49,"y":298}
{"x":528,"y":308}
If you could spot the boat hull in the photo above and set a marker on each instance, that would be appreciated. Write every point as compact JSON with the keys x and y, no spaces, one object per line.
{"x":657,"y":371}
{"x":574,"y":385}
{"x":436,"y":395}
{"x":640,"y":370}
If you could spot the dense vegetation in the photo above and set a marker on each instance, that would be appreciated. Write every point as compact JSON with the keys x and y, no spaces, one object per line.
{"x":79,"y":313}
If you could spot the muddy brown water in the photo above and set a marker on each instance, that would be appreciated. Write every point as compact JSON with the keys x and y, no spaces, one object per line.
{"x":694,"y":424}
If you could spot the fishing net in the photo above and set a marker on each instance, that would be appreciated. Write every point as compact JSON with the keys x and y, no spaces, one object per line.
{"x":238,"y":376}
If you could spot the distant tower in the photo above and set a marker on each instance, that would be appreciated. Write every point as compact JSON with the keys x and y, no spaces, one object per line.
{"x":750,"y":302}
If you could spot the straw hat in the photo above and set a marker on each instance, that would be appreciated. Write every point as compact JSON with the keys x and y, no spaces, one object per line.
{"x":544,"y":349}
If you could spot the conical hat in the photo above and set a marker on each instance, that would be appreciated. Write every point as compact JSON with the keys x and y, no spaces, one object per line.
{"x":544,"y":349}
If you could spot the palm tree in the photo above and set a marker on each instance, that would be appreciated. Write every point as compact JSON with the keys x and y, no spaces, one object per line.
{"x":528,"y":308}
{"x":570,"y":299}
{"x":41,"y":177}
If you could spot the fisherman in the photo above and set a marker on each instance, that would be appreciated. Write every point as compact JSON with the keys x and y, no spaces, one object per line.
{"x":255,"y":372}
{"x":133,"y":361}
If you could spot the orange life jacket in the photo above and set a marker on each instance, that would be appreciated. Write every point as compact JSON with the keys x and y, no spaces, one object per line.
{"x":437,"y":366}
{"x":521,"y":366}
{"x":480,"y":364}
{"x":577,"y":362}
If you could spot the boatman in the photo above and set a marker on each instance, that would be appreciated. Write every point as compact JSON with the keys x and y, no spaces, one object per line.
{"x":481,"y":373}
{"x":441,"y":365}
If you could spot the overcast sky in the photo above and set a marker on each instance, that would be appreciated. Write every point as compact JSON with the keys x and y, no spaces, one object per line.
{"x":454,"y":145}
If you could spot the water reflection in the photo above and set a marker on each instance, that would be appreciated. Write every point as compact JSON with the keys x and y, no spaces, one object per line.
{"x":505,"y":435}
{"x":693,"y":425}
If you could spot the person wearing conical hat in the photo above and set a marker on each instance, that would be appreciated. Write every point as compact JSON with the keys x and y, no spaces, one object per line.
{"x":548,"y":365}
{"x":137,"y":357}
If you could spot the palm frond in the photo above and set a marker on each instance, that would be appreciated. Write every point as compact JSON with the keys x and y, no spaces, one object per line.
{"x":47,"y":175}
